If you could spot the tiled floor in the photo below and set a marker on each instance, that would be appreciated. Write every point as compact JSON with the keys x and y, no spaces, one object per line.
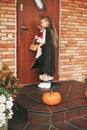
{"x":33,"y":114}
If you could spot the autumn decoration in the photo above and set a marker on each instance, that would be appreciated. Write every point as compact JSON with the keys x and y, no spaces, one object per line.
{"x":8,"y":80}
{"x":51,"y":98}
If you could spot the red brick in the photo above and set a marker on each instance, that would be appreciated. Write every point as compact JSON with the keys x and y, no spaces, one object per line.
{"x":7,"y":25}
{"x":73,"y":40}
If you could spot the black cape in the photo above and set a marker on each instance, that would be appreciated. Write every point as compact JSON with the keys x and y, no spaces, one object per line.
{"x":46,"y":62}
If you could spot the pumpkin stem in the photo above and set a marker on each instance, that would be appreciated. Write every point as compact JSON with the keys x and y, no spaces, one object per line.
{"x":51,"y":91}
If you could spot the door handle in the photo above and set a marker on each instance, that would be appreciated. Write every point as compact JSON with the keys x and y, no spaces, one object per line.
{"x":22,"y":28}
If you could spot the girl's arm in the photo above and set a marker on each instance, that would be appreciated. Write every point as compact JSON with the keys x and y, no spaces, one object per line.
{"x":41,"y":40}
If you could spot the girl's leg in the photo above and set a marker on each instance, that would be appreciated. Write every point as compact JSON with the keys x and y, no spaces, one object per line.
{"x":46,"y":81}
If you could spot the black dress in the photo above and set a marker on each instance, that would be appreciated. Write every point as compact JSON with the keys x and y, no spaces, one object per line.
{"x":47,"y":59}
{"x":46,"y":62}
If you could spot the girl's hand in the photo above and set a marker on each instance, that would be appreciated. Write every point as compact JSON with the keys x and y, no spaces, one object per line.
{"x":39,"y":27}
{"x":36,"y":37}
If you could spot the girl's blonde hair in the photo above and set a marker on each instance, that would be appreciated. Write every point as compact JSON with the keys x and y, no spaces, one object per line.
{"x":53,"y":30}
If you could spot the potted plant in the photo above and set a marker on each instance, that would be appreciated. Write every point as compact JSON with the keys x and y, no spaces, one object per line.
{"x":9,"y":85}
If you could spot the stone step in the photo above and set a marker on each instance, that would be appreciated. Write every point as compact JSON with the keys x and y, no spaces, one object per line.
{"x":72,"y":107}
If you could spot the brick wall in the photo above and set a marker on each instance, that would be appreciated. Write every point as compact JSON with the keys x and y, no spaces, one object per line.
{"x":7,"y":32}
{"x":73,"y":40}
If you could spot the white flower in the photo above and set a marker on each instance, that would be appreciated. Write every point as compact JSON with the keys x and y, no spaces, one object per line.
{"x":6,"y":104}
{"x":1,"y":123}
{"x":2,"y":116}
{"x":9,"y":104}
{"x":11,"y":99}
{"x":2,"y":107}
{"x":2,"y":99}
{"x":2,"y":119}
{"x":10,"y":114}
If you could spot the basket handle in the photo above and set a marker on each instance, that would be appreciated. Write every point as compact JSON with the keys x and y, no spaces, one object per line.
{"x":33,"y":40}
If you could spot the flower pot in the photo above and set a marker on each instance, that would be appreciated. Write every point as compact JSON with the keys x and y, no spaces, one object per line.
{"x":5,"y":126}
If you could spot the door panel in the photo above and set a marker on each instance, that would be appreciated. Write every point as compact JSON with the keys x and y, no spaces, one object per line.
{"x":28,"y":19}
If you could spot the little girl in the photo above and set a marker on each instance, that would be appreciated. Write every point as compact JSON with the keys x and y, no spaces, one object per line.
{"x":46,"y":51}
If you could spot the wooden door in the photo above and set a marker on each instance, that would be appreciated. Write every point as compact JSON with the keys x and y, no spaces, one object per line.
{"x":28,"y":18}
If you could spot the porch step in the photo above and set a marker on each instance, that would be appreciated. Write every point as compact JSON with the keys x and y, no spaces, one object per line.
{"x":20,"y":117}
{"x":38,"y":116}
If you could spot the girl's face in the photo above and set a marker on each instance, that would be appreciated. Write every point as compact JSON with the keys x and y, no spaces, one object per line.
{"x":44,"y":23}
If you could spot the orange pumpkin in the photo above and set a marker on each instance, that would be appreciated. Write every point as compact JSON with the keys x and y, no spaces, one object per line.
{"x":86,"y":93}
{"x":51,"y":98}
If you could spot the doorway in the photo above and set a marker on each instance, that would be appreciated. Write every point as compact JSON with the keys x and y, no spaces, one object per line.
{"x":28,"y":18}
